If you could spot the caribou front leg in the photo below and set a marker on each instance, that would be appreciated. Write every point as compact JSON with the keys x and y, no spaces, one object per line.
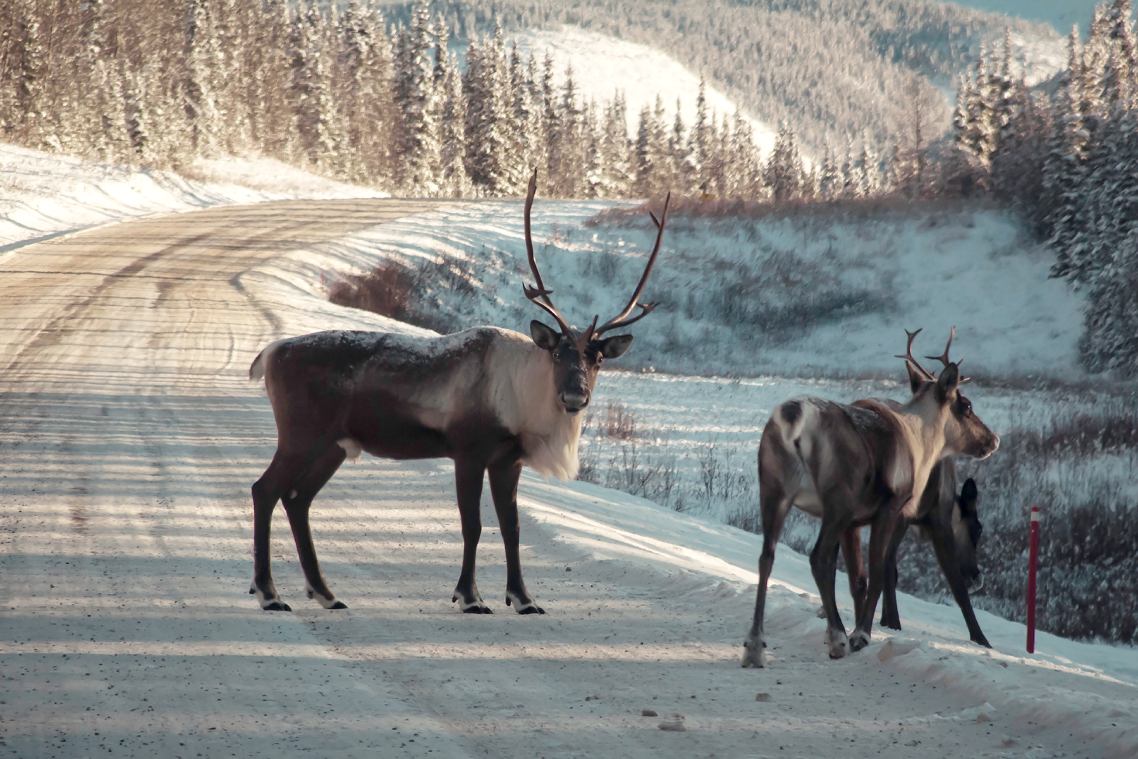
{"x":504,"y":488}
{"x":468,"y":485}
{"x":890,"y":615}
{"x":946,"y":557}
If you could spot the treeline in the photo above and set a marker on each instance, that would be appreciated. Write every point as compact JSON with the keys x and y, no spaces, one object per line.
{"x":157,"y":83}
{"x":1069,"y":160}
{"x":835,"y":69}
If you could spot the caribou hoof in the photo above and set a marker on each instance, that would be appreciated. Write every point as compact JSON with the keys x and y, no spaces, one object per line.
{"x":982,"y":641}
{"x":522,"y":606}
{"x":859,"y":640}
{"x":892,"y":624}
{"x":754,"y":655}
{"x":328,"y":602}
{"x":838,"y":643}
{"x":275,"y":605}
{"x":474,"y":606}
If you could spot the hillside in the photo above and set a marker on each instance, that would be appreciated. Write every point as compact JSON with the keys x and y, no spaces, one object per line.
{"x":836,"y":70}
{"x":603,"y":65}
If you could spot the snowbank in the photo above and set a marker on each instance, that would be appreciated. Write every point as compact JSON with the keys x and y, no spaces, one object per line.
{"x":43,"y":194}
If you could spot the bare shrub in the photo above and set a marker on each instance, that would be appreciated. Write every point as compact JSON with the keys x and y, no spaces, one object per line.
{"x":618,"y":422}
{"x":398,"y":291}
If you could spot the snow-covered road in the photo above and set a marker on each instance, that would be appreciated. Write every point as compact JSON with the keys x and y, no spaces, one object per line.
{"x":129,"y":436}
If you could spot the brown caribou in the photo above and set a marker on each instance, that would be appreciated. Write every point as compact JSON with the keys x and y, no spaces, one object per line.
{"x":951,"y":522}
{"x":491,"y":399}
{"x":866,"y":463}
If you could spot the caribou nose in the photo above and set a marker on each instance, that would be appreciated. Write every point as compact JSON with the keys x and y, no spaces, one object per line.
{"x":574,"y":402}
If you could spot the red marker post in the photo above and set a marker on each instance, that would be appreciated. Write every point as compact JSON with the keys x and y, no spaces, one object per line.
{"x":1032,"y":563}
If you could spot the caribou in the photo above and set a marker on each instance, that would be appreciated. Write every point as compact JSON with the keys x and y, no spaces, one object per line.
{"x":489,"y":398}
{"x":851,"y":465}
{"x":951,"y":522}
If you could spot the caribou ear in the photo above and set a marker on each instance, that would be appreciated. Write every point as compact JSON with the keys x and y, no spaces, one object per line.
{"x":969,"y":495}
{"x":543,"y":335}
{"x":614,"y":347}
{"x":947,"y":382}
{"x":915,"y":378}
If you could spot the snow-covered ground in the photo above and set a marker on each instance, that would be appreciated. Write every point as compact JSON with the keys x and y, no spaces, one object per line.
{"x":43,"y":194}
{"x":130,"y":436}
{"x":603,"y":65}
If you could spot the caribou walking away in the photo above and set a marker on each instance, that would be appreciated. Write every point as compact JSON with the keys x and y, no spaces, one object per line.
{"x":866,"y":463}
{"x":489,"y":398}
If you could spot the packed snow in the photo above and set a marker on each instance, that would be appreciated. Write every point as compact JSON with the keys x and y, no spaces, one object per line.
{"x":44,"y":194}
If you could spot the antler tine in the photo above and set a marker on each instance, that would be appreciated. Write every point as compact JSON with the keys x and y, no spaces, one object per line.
{"x":621,"y":319}
{"x":908,"y":354}
{"x":539,"y":295}
{"x":943,"y":358}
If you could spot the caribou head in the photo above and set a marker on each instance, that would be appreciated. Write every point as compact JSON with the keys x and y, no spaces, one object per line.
{"x":578,"y":354}
{"x":938,"y":399}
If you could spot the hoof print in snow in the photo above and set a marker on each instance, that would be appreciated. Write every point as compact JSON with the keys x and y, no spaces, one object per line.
{"x":648,"y":713}
{"x":764,"y":697}
{"x":673,"y":725}
{"x":277,"y":606}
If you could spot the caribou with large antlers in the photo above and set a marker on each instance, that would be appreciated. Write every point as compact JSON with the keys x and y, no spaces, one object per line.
{"x":852,"y":465}
{"x":491,"y":399}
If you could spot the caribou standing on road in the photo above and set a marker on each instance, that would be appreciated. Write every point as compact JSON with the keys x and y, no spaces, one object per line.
{"x":951,"y":522}
{"x":853,"y":465}
{"x":489,"y":398}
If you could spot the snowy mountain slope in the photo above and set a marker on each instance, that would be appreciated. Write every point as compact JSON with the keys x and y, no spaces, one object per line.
{"x":837,"y":71}
{"x":603,"y":65}
{"x":45,"y":194}
{"x":125,"y":525}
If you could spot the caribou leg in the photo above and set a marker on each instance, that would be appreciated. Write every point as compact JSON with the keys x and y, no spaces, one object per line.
{"x":880,"y":537}
{"x":297,"y":503}
{"x":504,"y":488}
{"x":468,"y":474}
{"x":890,"y":616}
{"x":774,"y":511}
{"x":824,"y":565}
{"x":946,"y":557}
{"x":266,"y":492}
{"x":855,"y":568}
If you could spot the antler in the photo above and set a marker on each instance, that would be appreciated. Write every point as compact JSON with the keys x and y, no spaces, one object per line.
{"x":621,"y":319}
{"x":908,"y":355}
{"x":539,"y":295}
{"x":945,"y":360}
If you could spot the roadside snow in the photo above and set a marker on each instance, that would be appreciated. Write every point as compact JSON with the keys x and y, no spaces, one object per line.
{"x":44,"y":194}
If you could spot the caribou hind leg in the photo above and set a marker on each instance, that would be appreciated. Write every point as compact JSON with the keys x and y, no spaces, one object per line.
{"x":504,"y":487}
{"x":880,"y":538}
{"x":774,"y":510}
{"x":855,"y":568}
{"x":297,"y":502}
{"x":824,"y":566}
{"x":776,"y":467}
{"x":468,"y":476}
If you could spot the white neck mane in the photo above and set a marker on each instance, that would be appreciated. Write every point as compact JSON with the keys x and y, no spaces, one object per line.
{"x":525,"y":399}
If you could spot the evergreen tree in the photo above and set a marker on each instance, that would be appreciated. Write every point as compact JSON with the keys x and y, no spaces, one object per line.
{"x":783,"y":171}
{"x":417,"y":137}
